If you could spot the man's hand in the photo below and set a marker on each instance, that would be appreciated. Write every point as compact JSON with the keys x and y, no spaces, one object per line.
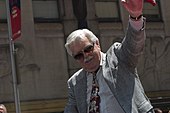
{"x":134,"y":7}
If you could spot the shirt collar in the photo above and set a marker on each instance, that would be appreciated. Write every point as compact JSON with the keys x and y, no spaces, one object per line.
{"x":103,"y":56}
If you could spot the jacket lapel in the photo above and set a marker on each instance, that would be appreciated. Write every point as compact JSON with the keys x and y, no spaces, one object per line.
{"x":110,"y":70}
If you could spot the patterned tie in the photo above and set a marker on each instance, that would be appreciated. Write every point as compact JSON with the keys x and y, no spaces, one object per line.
{"x":95,"y":98}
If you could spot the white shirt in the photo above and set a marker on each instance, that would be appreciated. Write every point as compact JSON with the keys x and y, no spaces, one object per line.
{"x":108,"y":102}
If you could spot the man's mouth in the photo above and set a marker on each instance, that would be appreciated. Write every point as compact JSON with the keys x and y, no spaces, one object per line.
{"x":88,"y":59}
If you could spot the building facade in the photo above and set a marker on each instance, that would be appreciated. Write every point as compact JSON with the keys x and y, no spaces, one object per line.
{"x":42,"y":62}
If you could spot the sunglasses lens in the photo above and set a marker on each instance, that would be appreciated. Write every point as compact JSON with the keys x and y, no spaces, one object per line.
{"x":78,"y":56}
{"x":88,"y":49}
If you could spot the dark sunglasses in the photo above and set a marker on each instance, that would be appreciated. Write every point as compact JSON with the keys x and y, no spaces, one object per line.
{"x":87,"y":49}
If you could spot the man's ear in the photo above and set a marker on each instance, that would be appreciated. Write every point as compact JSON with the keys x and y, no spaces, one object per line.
{"x":98,"y":44}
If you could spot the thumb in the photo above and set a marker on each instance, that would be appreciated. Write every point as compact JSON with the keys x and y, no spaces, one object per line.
{"x":153,"y":2}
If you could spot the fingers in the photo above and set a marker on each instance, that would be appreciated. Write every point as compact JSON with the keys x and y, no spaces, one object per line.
{"x":132,"y":2}
{"x":153,"y":2}
{"x":134,"y":7}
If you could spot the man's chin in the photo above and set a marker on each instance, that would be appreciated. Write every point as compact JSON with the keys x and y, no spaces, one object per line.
{"x":91,"y":69}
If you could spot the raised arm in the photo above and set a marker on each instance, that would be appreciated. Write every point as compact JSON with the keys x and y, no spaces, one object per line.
{"x":133,"y":43}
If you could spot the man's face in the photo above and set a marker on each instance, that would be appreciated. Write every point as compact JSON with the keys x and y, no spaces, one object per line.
{"x":87,"y":54}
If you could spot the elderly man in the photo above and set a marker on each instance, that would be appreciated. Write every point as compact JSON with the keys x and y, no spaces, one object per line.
{"x":108,"y":82}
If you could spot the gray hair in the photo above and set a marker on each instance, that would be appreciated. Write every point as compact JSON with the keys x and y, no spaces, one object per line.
{"x":78,"y":35}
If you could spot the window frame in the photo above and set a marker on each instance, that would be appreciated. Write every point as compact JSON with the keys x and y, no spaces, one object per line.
{"x":5,"y":12}
{"x":47,"y":20}
{"x":111,"y":19}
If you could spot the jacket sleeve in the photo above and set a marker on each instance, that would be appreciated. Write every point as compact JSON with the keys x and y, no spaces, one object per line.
{"x":132,"y":46}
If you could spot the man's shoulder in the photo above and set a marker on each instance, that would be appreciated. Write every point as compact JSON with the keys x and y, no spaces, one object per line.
{"x":113,"y":50}
{"x":112,"y":55}
{"x":115,"y":46}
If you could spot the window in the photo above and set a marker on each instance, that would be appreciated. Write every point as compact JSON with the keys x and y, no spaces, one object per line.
{"x":45,"y":10}
{"x":3,"y":16}
{"x":107,"y":10}
{"x":152,"y":13}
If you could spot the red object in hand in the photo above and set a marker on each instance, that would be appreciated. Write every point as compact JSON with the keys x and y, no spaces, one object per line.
{"x":153,"y":2}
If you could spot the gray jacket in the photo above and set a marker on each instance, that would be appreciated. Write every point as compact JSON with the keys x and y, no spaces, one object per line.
{"x":119,"y":72}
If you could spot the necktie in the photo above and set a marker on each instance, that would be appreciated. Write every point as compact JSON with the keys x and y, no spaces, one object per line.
{"x":94,"y":99}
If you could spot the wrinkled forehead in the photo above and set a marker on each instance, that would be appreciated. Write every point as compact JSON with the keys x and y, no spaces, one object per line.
{"x":78,"y":45}
{"x":79,"y":41}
